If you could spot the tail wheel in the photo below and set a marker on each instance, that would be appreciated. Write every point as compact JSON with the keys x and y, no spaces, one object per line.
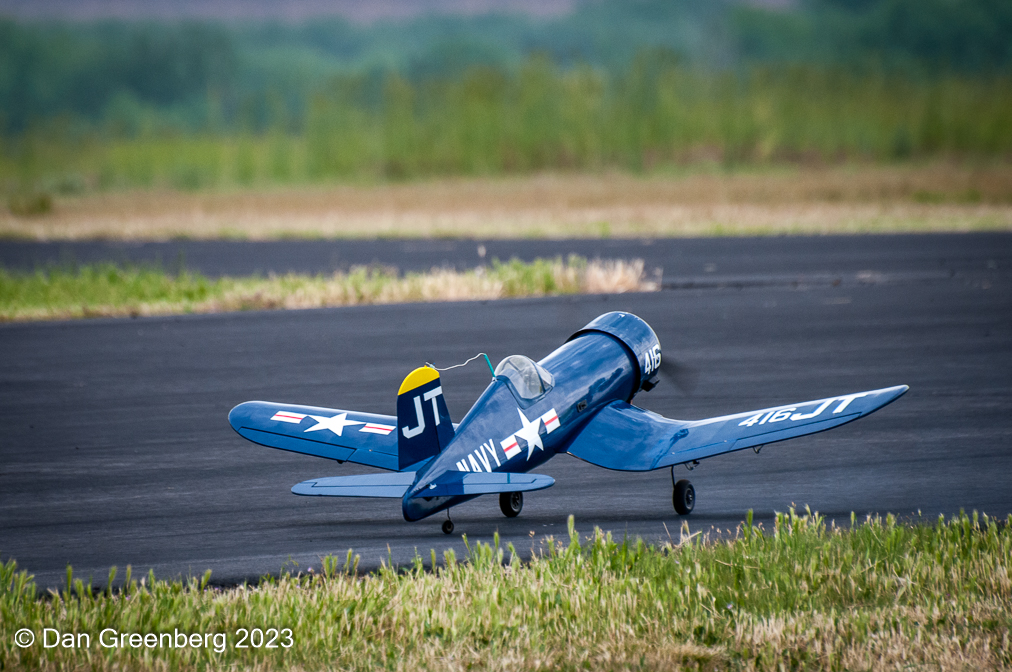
{"x":684,"y":497}
{"x":511,"y":503}
{"x":447,"y":527}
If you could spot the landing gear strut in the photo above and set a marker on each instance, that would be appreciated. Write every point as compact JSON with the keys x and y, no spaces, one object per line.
{"x":511,"y":503}
{"x":684,"y":496}
{"x":447,"y":524}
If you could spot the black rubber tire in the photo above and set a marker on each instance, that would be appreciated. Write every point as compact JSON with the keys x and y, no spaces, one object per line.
{"x":684,"y":497}
{"x":447,"y":527}
{"x":511,"y":503}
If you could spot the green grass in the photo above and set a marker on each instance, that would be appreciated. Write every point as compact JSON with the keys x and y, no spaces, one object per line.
{"x":655,"y":116}
{"x":879,"y":595}
{"x":95,"y":289}
{"x":110,"y":290}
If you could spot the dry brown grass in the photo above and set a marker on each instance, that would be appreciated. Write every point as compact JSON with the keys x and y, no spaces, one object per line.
{"x":818,"y":200}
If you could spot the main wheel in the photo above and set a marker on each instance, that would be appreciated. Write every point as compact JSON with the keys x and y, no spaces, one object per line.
{"x":447,"y":527}
{"x":684,"y":497}
{"x":511,"y":503}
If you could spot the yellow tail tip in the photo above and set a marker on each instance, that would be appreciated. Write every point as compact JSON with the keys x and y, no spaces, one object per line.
{"x":417,"y":378}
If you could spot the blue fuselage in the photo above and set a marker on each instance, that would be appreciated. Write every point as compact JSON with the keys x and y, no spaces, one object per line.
{"x":502,"y":429}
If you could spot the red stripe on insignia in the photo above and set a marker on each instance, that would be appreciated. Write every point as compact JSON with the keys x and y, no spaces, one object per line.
{"x":285,"y":416}
{"x":375,"y":428}
{"x":509,"y":446}
{"x":551,"y":420}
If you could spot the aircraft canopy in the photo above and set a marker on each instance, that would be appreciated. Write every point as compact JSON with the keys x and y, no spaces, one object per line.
{"x":529,"y":379}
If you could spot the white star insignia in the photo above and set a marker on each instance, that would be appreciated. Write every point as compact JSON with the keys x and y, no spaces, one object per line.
{"x":530,"y":433}
{"x":335,"y":424}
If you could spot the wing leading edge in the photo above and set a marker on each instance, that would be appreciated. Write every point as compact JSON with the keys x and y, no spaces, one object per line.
{"x":627,"y":438}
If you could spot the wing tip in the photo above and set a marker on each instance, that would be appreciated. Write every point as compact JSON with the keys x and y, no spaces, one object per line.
{"x":240,"y":412}
{"x":896,"y":391}
{"x":304,"y":488}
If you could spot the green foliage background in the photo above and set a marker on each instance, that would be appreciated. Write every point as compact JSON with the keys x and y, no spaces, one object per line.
{"x":632,"y":85}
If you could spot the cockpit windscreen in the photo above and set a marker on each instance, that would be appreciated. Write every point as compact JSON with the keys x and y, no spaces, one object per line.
{"x":529,"y":379}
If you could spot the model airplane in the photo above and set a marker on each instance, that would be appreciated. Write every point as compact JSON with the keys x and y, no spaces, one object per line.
{"x":575,"y":400}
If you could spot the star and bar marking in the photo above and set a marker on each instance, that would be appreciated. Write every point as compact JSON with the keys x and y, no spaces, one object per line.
{"x":335,"y":424}
{"x":530,"y":432}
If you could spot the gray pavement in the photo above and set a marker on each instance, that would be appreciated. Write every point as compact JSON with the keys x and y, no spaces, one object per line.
{"x":678,"y":258}
{"x":115,"y":448}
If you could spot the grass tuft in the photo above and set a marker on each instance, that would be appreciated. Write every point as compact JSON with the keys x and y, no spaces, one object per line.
{"x":880,"y":595}
{"x":30,"y":204}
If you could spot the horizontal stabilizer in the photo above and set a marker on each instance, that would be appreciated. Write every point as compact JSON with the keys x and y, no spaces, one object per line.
{"x":455,"y":483}
{"x":364,"y":485}
{"x":627,"y":438}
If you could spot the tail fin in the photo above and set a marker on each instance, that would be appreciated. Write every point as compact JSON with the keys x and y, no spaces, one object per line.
{"x":424,"y":427}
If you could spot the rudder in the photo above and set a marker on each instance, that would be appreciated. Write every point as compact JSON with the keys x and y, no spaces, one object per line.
{"x":424,"y":427}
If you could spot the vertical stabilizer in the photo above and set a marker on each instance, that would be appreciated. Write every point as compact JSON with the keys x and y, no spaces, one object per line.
{"x":424,"y":427}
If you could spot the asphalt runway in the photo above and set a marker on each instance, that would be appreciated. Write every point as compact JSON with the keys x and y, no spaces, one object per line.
{"x":116,"y":449}
{"x":699,"y":261}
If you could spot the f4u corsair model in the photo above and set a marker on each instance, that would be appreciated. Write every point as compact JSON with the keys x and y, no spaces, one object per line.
{"x":575,"y":400}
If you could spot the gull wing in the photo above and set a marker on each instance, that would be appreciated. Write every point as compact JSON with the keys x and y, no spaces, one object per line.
{"x":627,"y":438}
{"x":345,"y":436}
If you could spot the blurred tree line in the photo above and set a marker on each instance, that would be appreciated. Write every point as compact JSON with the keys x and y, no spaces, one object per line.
{"x":631,"y":84}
